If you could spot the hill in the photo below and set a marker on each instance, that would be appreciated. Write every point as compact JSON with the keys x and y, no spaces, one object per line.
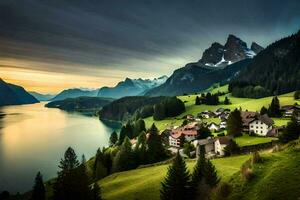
{"x":275,"y":70}
{"x":271,"y":179}
{"x":42,"y":97}
{"x":80,"y":104}
{"x":74,"y":93}
{"x":244,"y":103}
{"x":144,"y":183}
{"x":122,"y":109}
{"x":14,"y":95}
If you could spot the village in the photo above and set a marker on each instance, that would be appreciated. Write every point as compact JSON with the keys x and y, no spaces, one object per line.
{"x":254,"y":124}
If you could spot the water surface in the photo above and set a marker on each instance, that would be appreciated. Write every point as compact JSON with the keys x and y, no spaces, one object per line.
{"x":33,"y":138}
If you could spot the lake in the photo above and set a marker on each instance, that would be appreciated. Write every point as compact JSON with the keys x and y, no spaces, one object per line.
{"x":34,"y":138}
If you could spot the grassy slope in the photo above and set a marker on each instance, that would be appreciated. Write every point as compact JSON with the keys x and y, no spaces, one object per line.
{"x":247,"y":140}
{"x":244,"y":103}
{"x":278,"y":177}
{"x":144,"y":183}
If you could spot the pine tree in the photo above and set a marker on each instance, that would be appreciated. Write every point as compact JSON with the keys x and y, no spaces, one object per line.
{"x":235,"y":123}
{"x":141,"y":149}
{"x":210,"y":174}
{"x":198,"y":173}
{"x":226,"y":101}
{"x":122,"y":135}
{"x":96,"y":192}
{"x":139,"y":126}
{"x":72,"y":181}
{"x":155,"y":150}
{"x":159,"y":112}
{"x":176,"y":185}
{"x":291,"y":132}
{"x":99,"y":169}
{"x":113,"y":138}
{"x":274,"y":108}
{"x":297,"y":95}
{"x":39,"y":192}
{"x":263,"y":110}
{"x":124,"y":158}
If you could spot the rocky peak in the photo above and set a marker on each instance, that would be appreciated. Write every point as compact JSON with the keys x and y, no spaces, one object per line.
{"x":256,"y":48}
{"x":213,"y":54}
{"x":235,"y":49}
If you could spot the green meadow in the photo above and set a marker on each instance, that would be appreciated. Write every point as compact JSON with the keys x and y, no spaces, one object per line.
{"x":244,"y":103}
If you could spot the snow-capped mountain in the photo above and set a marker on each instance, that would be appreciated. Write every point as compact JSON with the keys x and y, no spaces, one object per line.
{"x":234,"y":50}
{"x":219,"y":63}
{"x":131,"y":87}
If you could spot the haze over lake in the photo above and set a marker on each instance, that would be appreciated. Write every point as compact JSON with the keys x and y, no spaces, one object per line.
{"x":33,"y":138}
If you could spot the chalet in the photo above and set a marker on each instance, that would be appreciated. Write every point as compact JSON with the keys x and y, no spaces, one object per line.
{"x":247,"y":118}
{"x":221,"y":143}
{"x":261,"y":125}
{"x":188,"y":133}
{"x":289,"y":110}
{"x":213,"y":127}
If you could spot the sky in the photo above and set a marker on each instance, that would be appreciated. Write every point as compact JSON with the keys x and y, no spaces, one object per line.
{"x":49,"y":45}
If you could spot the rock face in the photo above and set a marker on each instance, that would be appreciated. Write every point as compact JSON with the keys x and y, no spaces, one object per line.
{"x":236,"y":49}
{"x":14,"y":95}
{"x":219,"y":63}
{"x":256,"y":47}
{"x":213,"y":54}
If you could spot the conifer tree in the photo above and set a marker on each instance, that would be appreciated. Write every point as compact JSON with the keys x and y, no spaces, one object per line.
{"x":291,"y":132}
{"x":113,"y":138}
{"x":274,"y":108}
{"x":139,"y":126}
{"x":210,"y":174}
{"x":155,"y":149}
{"x":39,"y":192}
{"x":263,"y":110}
{"x":72,"y":181}
{"x":235,"y":123}
{"x":176,"y":185}
{"x":198,"y":173}
{"x":124,"y":158}
{"x":226,"y":101}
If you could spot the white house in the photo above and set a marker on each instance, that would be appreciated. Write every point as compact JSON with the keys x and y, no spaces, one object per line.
{"x":220,"y":144}
{"x":261,"y":125}
{"x":213,"y":127}
{"x":223,"y":125}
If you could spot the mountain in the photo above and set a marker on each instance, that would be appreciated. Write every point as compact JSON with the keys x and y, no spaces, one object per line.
{"x":42,"y":97}
{"x":275,"y":70}
{"x":219,"y":64}
{"x":256,"y":48}
{"x":80,"y":104}
{"x":131,"y":87}
{"x":14,"y":95}
{"x":75,"y":92}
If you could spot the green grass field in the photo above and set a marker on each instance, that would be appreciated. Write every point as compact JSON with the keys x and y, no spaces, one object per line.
{"x":144,"y":183}
{"x":247,"y":140}
{"x":277,"y":177}
{"x":244,"y":103}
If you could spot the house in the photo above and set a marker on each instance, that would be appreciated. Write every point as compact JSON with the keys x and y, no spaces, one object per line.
{"x":247,"y":118}
{"x":275,"y":131}
{"x":206,"y":114}
{"x":223,"y":125}
{"x":221,"y":143}
{"x":188,"y":133}
{"x":289,"y":110}
{"x":190,"y":117}
{"x":209,"y":146}
{"x":213,"y":127}
{"x":261,"y":125}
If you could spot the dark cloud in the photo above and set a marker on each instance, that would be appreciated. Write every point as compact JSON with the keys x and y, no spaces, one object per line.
{"x":135,"y":35}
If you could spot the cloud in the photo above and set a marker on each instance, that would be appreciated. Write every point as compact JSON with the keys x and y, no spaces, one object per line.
{"x":147,"y":38}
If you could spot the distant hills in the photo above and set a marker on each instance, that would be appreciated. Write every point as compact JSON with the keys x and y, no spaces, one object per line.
{"x":14,"y":95}
{"x":128,"y":87}
{"x":42,"y":97}
{"x":219,"y":63}
{"x":74,"y":93}
{"x":80,"y":104}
